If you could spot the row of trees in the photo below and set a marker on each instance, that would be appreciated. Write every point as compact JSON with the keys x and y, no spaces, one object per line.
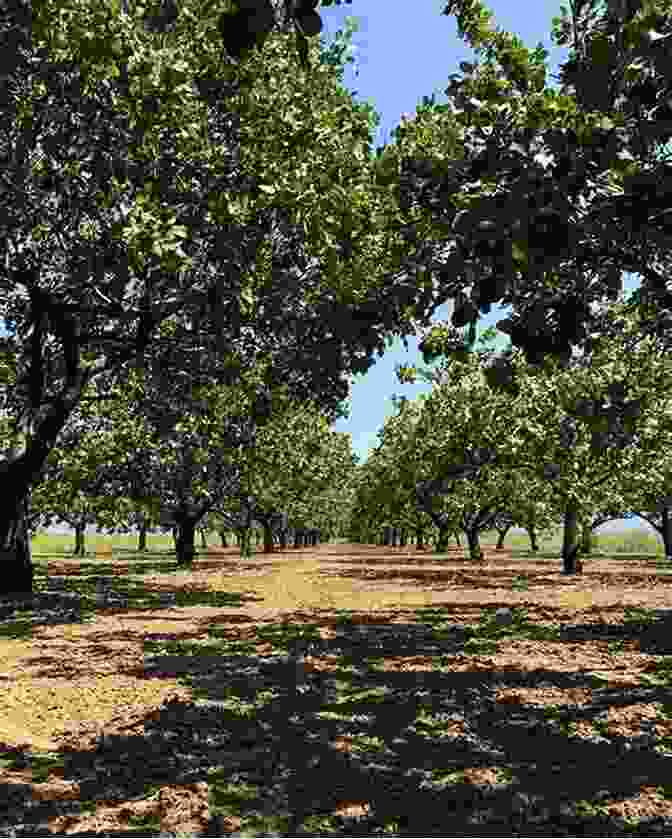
{"x":146,"y":228}
{"x":114,"y":468}
{"x":548,"y":450}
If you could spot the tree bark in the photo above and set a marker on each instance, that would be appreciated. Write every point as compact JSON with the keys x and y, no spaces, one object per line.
{"x":204,"y":539}
{"x":475,"y":551}
{"x":533,"y":538}
{"x":420,"y":538}
{"x":667,"y":532}
{"x":570,"y":545}
{"x":223,"y":537}
{"x":586,"y":538}
{"x":443,"y":540}
{"x":500,"y":538}
{"x":80,"y":531}
{"x":185,"y":548}
{"x":243,"y":538}
{"x":142,"y":534}
{"x":268,"y":539}
{"x":17,"y":567}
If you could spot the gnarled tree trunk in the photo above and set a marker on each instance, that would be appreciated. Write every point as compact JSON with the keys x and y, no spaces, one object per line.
{"x":500,"y":538}
{"x":185,"y":548}
{"x":16,"y":579}
{"x":570,"y":544}
{"x":142,"y":537}
{"x":243,"y":538}
{"x":586,"y":541}
{"x":420,"y":538}
{"x":143,"y":526}
{"x":667,"y":532}
{"x":475,"y":551}
{"x":443,"y":540}
{"x":80,"y":531}
{"x":533,"y":538}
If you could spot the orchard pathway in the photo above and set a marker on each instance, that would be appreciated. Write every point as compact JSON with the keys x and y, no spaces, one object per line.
{"x":584,"y":660}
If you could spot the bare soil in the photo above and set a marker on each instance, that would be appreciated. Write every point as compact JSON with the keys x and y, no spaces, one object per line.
{"x":340,"y":690}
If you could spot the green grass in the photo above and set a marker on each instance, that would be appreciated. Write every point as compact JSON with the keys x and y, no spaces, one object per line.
{"x":63,"y":544}
{"x":636,"y":541}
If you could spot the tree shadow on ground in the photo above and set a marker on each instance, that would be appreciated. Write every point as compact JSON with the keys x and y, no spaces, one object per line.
{"x":284,"y":753}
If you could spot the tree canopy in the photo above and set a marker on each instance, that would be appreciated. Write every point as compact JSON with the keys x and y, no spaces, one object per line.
{"x":136,"y":195}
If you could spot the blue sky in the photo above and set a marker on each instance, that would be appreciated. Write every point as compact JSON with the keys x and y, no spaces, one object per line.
{"x":403,"y":52}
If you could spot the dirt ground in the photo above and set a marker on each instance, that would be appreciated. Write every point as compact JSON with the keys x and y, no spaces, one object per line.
{"x":553,"y":716}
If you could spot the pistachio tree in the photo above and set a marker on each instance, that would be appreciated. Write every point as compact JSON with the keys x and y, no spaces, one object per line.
{"x":296,"y":471}
{"x":386,"y":496}
{"x":101,"y":184}
{"x":569,"y":433}
{"x":607,"y":421}
{"x":182,"y":473}
{"x":536,"y":211}
{"x":464,"y":425}
{"x":137,"y":194}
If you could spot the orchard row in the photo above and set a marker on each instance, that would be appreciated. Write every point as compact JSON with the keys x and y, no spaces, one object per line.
{"x":572,"y":444}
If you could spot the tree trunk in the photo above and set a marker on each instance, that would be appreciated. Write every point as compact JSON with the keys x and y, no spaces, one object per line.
{"x":142,"y":534}
{"x":243,"y":537}
{"x":204,"y":539}
{"x":185,"y":548}
{"x":268,"y":539}
{"x":570,"y":545}
{"x":500,"y":538}
{"x":403,"y":537}
{"x":17,"y":566}
{"x":456,"y":534}
{"x":533,"y":537}
{"x":420,"y":538}
{"x":475,"y":551}
{"x":586,"y":538}
{"x":80,"y":530}
{"x":443,"y":540}
{"x":223,"y":537}
{"x":667,"y":532}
